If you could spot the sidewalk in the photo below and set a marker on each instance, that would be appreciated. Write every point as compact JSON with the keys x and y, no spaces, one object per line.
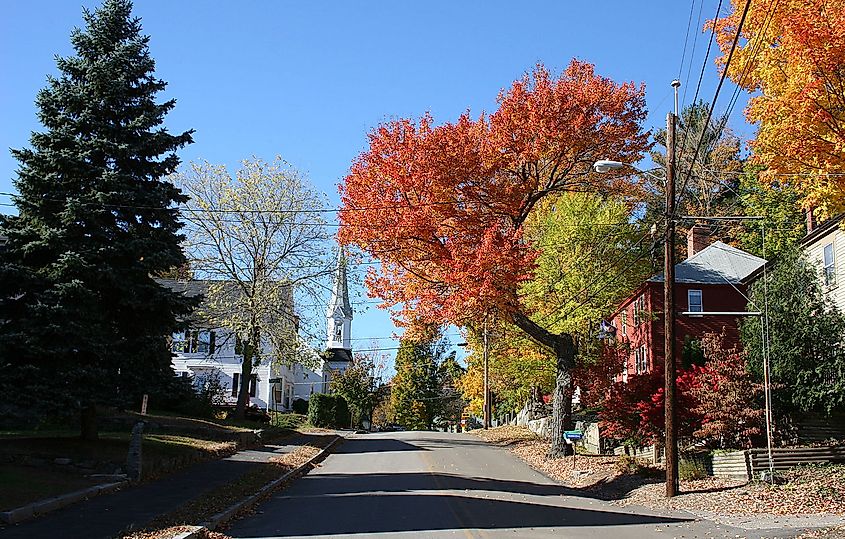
{"x":107,"y":515}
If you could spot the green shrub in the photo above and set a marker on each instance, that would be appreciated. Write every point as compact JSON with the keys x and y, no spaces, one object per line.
{"x":628,"y":465}
{"x":300,"y":406}
{"x":692,"y":468}
{"x":342,"y":415}
{"x":328,"y":411}
{"x":288,"y":420}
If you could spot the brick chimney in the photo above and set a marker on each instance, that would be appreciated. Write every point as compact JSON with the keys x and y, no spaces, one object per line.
{"x":811,"y":219}
{"x":698,"y":237}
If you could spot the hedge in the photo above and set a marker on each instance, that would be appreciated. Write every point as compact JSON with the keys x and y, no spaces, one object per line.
{"x":328,"y":411}
{"x":300,"y":406}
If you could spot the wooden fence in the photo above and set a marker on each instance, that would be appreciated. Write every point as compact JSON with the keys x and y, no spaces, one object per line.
{"x":785,"y":458}
{"x":748,"y":464}
{"x":731,"y":464}
{"x":817,"y":429}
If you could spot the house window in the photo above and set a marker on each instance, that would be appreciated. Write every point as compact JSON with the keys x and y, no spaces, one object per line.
{"x":639,"y":310}
{"x":694,"y":301}
{"x":829,"y":266}
{"x":179,"y":342}
{"x":205,"y":342}
{"x":641,"y":357}
{"x":624,"y":318}
{"x":253,"y":382}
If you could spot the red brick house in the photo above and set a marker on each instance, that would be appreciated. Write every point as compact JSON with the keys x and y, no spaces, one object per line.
{"x":714,"y":278}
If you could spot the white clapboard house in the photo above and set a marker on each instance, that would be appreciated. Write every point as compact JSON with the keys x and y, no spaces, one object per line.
{"x":203,"y":353}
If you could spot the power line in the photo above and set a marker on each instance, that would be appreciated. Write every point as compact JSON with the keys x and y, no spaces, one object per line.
{"x":716,"y":95}
{"x":694,"y":44}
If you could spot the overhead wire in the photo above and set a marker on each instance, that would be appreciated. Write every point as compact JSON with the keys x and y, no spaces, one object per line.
{"x":715,"y":96}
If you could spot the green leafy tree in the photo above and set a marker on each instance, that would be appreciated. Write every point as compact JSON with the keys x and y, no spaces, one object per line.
{"x":593,"y":255}
{"x":805,"y":336}
{"x":84,"y":322}
{"x":416,"y":391}
{"x":452,"y":403}
{"x":362,"y":386}
{"x":779,"y":203}
{"x":707,"y":184}
{"x":269,"y":247}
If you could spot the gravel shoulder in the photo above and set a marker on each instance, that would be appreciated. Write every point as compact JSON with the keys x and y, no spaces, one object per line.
{"x":811,"y":497}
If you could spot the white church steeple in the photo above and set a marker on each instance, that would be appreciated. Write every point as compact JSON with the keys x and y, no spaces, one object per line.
{"x":339,"y":312}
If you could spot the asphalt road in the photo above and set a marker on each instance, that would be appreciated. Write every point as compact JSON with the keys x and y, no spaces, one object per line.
{"x":433,"y":484}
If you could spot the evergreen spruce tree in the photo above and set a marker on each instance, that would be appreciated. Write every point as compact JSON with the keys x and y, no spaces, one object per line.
{"x":805,"y":338}
{"x":83,"y":321}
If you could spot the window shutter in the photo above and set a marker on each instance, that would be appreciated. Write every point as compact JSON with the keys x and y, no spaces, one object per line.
{"x":211,"y":343}
{"x":253,"y":381}
{"x":235,"y":379}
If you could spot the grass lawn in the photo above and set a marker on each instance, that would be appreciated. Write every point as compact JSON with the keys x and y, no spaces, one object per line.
{"x":23,"y":485}
{"x":162,"y":453}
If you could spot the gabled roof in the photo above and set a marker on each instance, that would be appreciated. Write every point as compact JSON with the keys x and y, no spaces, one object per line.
{"x":191,"y":288}
{"x":823,"y":229}
{"x":718,"y":263}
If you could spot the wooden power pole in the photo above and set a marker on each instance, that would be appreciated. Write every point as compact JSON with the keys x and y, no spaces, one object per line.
{"x":485,"y":357}
{"x":669,"y":314}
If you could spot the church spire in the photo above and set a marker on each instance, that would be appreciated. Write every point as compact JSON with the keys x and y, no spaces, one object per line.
{"x":339,"y":312}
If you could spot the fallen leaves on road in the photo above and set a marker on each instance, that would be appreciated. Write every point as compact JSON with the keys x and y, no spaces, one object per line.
{"x":807,"y":489}
{"x":169,"y":533}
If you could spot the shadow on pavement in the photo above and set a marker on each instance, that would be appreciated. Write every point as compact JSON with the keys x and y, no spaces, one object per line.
{"x":380,"y":513}
{"x":338,"y":484}
{"x":376,"y":445}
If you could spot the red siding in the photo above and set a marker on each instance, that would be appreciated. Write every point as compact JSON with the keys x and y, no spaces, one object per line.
{"x":650,"y":331}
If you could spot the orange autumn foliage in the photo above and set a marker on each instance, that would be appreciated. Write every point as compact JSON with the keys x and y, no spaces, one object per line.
{"x":443,"y":206}
{"x":792,"y":55}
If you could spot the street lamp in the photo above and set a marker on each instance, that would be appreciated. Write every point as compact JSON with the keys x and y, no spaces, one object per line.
{"x":606,"y":165}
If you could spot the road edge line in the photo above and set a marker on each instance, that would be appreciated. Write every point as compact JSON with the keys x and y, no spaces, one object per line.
{"x":217,"y":520}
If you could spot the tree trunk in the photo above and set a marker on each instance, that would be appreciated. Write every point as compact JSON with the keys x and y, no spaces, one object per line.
{"x":251,"y":351}
{"x":88,"y":422}
{"x":564,"y":348}
{"x":243,"y":391}
{"x":561,"y":412}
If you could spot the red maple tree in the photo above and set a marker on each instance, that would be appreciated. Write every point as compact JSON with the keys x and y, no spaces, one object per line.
{"x":443,"y":206}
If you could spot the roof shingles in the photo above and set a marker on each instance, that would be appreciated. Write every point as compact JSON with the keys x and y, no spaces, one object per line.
{"x":718,"y":263}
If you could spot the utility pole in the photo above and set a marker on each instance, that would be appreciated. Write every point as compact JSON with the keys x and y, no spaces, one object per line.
{"x":485,"y":355}
{"x":669,"y":308}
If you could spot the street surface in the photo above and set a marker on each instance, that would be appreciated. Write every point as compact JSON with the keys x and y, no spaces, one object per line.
{"x":434,"y":484}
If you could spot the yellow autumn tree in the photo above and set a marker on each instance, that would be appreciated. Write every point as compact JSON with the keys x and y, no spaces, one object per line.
{"x":791,"y":55}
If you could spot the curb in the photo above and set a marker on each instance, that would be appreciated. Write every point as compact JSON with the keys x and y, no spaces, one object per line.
{"x":193,"y":533}
{"x":224,"y":516}
{"x":48,"y":505}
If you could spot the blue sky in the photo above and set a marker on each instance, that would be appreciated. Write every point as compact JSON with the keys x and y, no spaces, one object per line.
{"x":308,"y":80}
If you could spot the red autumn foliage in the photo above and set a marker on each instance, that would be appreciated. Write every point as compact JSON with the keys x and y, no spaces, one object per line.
{"x":717,"y":402}
{"x":728,"y":398}
{"x":633,"y":411}
{"x":596,"y":378}
{"x":443,"y":206}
